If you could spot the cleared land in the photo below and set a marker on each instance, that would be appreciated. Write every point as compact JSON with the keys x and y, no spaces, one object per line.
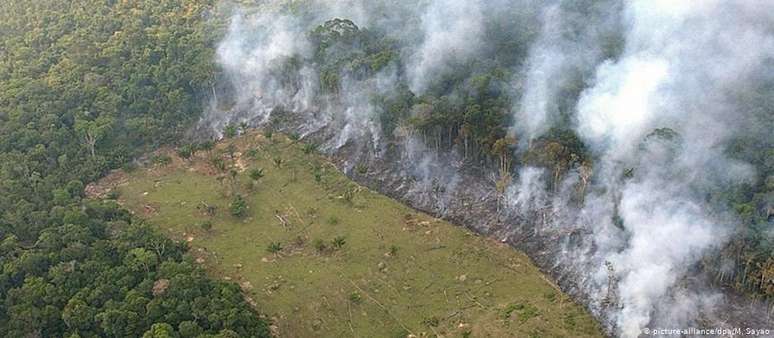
{"x":325,"y":257}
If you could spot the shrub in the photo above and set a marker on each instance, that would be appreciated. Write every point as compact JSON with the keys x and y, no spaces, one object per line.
{"x":317,"y":172}
{"x":218,"y":163}
{"x":277,"y":162}
{"x":231,"y":150}
{"x":431,"y":321}
{"x":252,"y":153}
{"x":129,"y":167}
{"x":161,"y":160}
{"x":319,"y":245}
{"x":333,"y":220}
{"x":274,"y":247}
{"x":338,"y":242}
{"x":206,"y":226}
{"x":268,"y":133}
{"x":310,"y":148}
{"x":206,"y":145}
{"x":393,"y":250}
{"x":112,"y":194}
{"x":238,"y":206}
{"x":523,"y":312}
{"x":349,"y":195}
{"x":294,"y":137}
{"x":230,"y":131}
{"x":256,"y":173}
{"x":355,"y":298}
{"x":361,"y":169}
{"x":185,"y":151}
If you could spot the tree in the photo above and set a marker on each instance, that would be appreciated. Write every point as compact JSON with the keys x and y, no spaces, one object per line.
{"x":141,"y":258}
{"x":92,"y":130}
{"x":85,"y":87}
{"x":160,"y":330}
{"x":78,"y":315}
{"x":120,"y":323}
{"x":502,"y":149}
{"x":189,"y":329}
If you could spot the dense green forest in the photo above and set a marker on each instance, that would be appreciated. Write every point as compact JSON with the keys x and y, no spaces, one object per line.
{"x":86,"y":86}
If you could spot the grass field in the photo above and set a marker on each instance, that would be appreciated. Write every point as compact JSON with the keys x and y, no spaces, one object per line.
{"x":324,"y":257}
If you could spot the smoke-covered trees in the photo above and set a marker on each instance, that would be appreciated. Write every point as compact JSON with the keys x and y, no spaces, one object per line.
{"x":342,"y":50}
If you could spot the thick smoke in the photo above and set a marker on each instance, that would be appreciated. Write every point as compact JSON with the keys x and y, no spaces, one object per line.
{"x":652,"y":88}
{"x":253,"y":54}
{"x":572,"y":40}
{"x":452,"y":33}
{"x":680,"y":63}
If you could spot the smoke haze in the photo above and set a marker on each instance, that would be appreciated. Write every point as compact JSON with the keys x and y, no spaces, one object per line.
{"x":617,"y":74}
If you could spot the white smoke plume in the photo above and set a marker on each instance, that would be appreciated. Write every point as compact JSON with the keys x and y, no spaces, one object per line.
{"x":252,"y":55}
{"x":680,"y":62}
{"x":573,"y":39}
{"x":529,"y":193}
{"x":614,"y":73}
{"x":452,"y":33}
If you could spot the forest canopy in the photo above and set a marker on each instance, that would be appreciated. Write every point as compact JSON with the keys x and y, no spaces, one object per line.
{"x":87,"y":86}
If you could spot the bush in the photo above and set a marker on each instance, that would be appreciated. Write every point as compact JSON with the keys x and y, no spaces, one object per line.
{"x":230,"y":131}
{"x":274,"y":247}
{"x":129,"y":167}
{"x":355,"y":298}
{"x":310,"y":148}
{"x":268,"y":133}
{"x":252,"y":153}
{"x":161,"y":160}
{"x":317,"y":172}
{"x":113,"y":194}
{"x":523,"y":311}
{"x":238,"y":207}
{"x":218,"y":163}
{"x":185,"y":151}
{"x":206,"y":226}
{"x":338,"y":242}
{"x":349,"y":195}
{"x":256,"y":173}
{"x":431,"y":321}
{"x":319,"y":245}
{"x":361,"y":169}
{"x":206,"y":145}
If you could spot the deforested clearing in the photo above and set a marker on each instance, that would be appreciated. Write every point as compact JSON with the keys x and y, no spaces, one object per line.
{"x":320,"y":255}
